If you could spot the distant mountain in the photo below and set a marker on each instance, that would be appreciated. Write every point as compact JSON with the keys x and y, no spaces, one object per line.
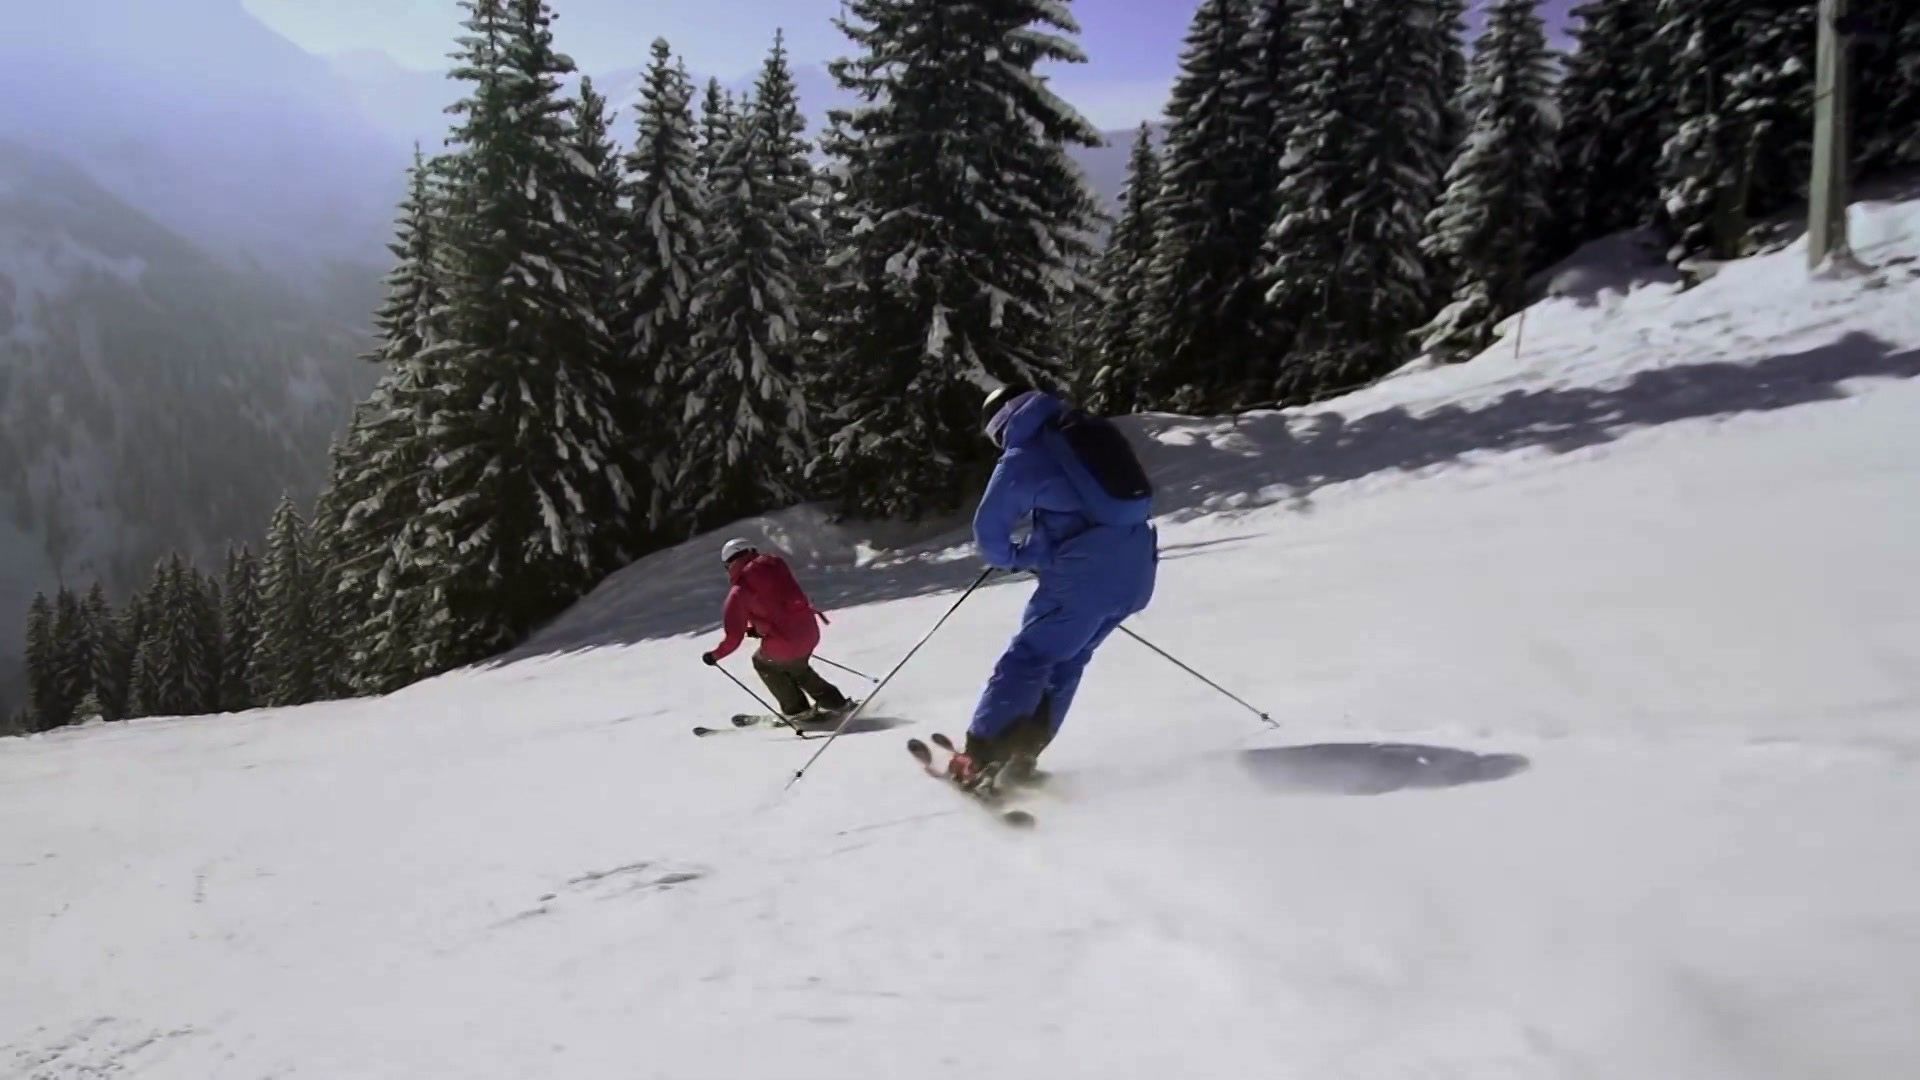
{"x":201,"y":117}
{"x":406,"y":104}
{"x":151,"y":397}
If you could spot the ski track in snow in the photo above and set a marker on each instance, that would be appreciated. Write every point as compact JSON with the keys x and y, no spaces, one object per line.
{"x":1599,"y":679}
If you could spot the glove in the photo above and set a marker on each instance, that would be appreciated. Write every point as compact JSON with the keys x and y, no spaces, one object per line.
{"x":709,"y":659}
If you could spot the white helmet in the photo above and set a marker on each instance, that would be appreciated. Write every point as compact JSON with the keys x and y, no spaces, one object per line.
{"x":735,"y":548}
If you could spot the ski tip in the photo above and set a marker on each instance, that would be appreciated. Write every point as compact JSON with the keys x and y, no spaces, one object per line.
{"x":943,"y":742}
{"x":702,"y":732}
{"x":919,"y":751}
{"x":1019,"y":819}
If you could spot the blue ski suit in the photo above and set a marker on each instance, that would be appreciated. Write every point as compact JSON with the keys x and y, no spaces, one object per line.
{"x":1096,"y":558}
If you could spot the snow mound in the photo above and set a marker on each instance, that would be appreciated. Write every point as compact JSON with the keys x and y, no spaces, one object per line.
{"x":1597,"y":662}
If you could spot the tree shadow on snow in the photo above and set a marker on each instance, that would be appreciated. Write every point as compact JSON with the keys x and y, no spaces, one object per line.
{"x":1213,"y":466}
{"x":1272,"y":457}
{"x":1373,"y":768}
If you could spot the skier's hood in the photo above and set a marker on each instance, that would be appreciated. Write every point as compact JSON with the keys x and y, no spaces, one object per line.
{"x":1030,"y":414}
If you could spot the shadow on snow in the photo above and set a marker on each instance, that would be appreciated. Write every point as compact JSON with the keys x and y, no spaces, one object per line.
{"x":1373,"y":768}
{"x":1204,"y":466}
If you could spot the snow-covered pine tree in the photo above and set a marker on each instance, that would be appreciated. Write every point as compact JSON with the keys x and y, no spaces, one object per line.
{"x":1772,"y":94}
{"x":130,"y":673}
{"x":1273,"y":55}
{"x":597,"y":214}
{"x":744,"y":441}
{"x":1212,"y":337}
{"x":527,"y":476}
{"x":1347,"y":276}
{"x":598,"y":222}
{"x":1742,"y":81}
{"x":719,"y":115}
{"x":412,"y":317}
{"x":1485,"y":232}
{"x":111,"y":654}
{"x":1615,"y":117}
{"x":43,"y":667}
{"x":381,"y":466}
{"x":283,"y":662}
{"x":73,"y":653}
{"x":1449,"y":138}
{"x":966,"y":220}
{"x":657,"y":300}
{"x":1120,"y":323}
{"x":1887,"y":87}
{"x":338,"y":613}
{"x":172,"y":663}
{"x":90,"y":709}
{"x":1452,"y":85}
{"x":240,"y":631}
{"x":206,"y":604}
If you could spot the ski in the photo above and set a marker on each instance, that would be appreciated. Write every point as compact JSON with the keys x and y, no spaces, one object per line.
{"x":810,"y":725}
{"x":988,"y":799}
{"x":702,"y":732}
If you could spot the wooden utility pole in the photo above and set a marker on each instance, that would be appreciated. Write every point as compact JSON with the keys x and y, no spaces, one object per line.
{"x":1832,"y":119}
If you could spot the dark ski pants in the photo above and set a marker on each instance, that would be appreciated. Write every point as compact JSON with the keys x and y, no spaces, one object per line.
{"x":794,"y":681}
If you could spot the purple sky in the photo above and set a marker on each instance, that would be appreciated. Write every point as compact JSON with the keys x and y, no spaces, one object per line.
{"x":1133,"y":45}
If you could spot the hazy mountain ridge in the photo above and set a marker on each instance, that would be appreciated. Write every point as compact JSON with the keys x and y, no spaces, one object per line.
{"x":150,"y":397}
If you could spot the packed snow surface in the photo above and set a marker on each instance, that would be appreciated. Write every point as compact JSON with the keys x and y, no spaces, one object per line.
{"x":1597,"y":673}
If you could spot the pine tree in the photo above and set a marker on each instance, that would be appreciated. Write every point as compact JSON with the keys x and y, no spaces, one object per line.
{"x":339,"y":613}
{"x":658,"y":303}
{"x":1614,"y":106}
{"x":745,"y":439}
{"x":965,"y":220}
{"x":1743,"y":117}
{"x":1118,"y":330}
{"x":110,"y":656}
{"x":172,"y":666}
{"x":90,"y":709}
{"x":526,"y":483}
{"x":1348,"y":278}
{"x":203,"y":597}
{"x":595,"y":210}
{"x":43,"y":661}
{"x":1273,"y":54}
{"x":73,"y":654}
{"x":1451,"y":88}
{"x":240,"y":631}
{"x":378,"y":486}
{"x":1212,"y":336}
{"x":412,"y":317}
{"x":1485,"y":231}
{"x":283,"y":668}
{"x":719,"y":115}
{"x":1887,"y":86}
{"x":130,"y":673}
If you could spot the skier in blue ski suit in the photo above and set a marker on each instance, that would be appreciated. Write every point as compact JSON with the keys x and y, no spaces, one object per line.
{"x":1094,"y":553}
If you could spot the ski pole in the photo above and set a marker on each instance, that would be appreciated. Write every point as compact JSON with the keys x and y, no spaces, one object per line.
{"x":848,"y":719}
{"x":845,"y":668}
{"x":1176,"y":663}
{"x":771,"y":711}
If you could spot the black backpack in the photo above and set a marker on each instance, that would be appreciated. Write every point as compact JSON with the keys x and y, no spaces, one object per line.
{"x":1105,"y":453}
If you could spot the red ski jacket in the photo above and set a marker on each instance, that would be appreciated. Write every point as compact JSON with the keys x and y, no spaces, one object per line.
{"x":766,"y":598}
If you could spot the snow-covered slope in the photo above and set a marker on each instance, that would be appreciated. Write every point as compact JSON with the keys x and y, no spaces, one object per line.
{"x":1598,"y":673}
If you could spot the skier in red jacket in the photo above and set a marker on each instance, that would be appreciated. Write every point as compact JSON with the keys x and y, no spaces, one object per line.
{"x":766,"y":602}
